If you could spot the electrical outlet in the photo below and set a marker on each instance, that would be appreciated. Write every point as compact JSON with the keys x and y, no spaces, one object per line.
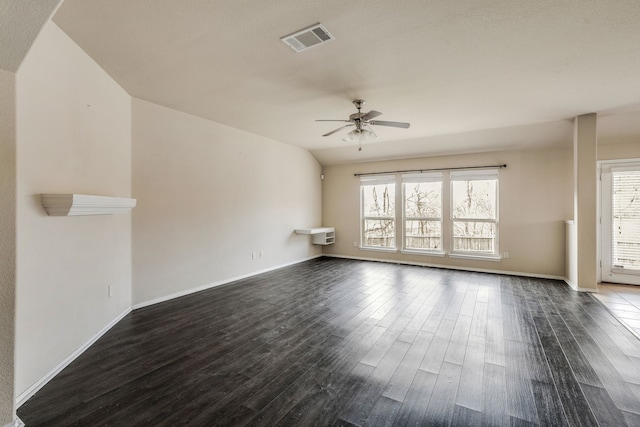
{"x":505,"y":255}
{"x":110,"y":291}
{"x":253,"y":255}
{"x":355,"y":244}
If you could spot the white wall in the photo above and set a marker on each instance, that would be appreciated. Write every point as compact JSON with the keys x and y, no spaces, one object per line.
{"x":210,"y":195}
{"x":535,"y":199}
{"x":74,"y":136}
{"x":7,"y":242}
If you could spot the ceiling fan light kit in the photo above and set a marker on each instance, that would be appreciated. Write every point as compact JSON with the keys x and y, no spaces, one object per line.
{"x":362,"y":122}
{"x":360,"y":135}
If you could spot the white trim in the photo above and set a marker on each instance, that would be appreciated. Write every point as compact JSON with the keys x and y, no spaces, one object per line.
{"x":474,"y":174}
{"x":422,"y":177}
{"x":606,"y":271}
{"x":454,"y":267}
{"x":439,"y":254}
{"x":577,"y":288}
{"x":17,"y":422}
{"x":572,"y":285}
{"x":378,"y":249}
{"x":215,"y":284}
{"x":461,"y":176}
{"x":378,"y":179}
{"x":480,"y":257}
{"x":33,"y":389}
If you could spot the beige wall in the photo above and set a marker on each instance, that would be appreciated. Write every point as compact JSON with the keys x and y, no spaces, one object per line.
{"x":535,"y":200}
{"x":208,"y":196}
{"x":74,"y":136}
{"x":7,"y":242}
{"x":626,"y":150}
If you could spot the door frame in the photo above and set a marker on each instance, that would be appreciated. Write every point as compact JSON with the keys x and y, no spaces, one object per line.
{"x":606,"y":272}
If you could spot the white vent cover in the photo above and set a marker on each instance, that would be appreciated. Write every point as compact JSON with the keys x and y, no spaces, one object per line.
{"x":309,"y":37}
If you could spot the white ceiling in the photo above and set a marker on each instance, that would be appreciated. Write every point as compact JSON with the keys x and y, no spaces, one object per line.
{"x":472,"y":75}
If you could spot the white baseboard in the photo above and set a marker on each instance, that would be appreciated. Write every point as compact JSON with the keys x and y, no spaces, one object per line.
{"x":454,"y":267}
{"x":218,"y":283}
{"x":17,"y":422}
{"x":576,"y":287}
{"x":25,"y":395}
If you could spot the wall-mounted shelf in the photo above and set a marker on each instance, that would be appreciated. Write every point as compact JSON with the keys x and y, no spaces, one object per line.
{"x":84,"y":204}
{"x":319,"y":235}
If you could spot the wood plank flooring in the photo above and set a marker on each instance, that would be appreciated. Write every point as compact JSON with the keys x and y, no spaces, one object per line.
{"x":355,"y":343}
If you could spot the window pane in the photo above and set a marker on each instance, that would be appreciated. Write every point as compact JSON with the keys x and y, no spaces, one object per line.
{"x":423,"y":199}
{"x":474,"y":199}
{"x":379,"y":233}
{"x":626,"y":219}
{"x":378,"y":200}
{"x":474,"y":236}
{"x":423,"y":234}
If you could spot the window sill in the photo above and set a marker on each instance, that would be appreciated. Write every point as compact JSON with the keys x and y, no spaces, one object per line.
{"x":425,"y":253}
{"x":375,"y":249}
{"x":475,"y":256}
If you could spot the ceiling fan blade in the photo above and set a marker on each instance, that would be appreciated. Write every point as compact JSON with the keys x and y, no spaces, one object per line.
{"x":337,"y":130}
{"x":392,"y":124}
{"x":329,"y":120}
{"x":370,"y":115}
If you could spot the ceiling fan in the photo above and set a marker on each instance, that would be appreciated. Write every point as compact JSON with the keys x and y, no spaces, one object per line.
{"x":362,"y":122}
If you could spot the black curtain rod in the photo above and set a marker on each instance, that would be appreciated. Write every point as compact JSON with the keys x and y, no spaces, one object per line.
{"x":432,"y":170}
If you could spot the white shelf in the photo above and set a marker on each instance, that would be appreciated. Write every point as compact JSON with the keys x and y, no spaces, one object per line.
{"x":314,"y":230}
{"x":319,"y":235}
{"x":84,"y":204}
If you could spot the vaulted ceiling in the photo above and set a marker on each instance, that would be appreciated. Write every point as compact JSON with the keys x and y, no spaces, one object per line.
{"x":469,"y":75}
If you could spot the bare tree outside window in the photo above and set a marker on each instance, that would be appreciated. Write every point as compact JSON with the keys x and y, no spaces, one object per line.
{"x":474,"y":215}
{"x":423,"y":215}
{"x":378,"y":213}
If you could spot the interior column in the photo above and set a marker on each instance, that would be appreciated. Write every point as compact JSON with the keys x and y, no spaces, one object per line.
{"x":585,"y":195}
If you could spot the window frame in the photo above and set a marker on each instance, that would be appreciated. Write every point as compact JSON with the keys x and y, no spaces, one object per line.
{"x":378,"y":180}
{"x":474,"y":175}
{"x":607,"y":269}
{"x":415,"y":178}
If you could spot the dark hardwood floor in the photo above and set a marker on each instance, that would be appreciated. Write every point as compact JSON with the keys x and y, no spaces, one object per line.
{"x":343,"y":342}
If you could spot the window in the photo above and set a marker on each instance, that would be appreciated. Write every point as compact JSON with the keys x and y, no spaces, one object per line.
{"x":474,"y":203}
{"x":378,"y":214}
{"x":422,"y":195}
{"x":626,"y":219}
{"x":439,"y":213}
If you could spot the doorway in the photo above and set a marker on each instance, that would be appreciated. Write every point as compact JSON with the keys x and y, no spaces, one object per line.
{"x":620,"y":222}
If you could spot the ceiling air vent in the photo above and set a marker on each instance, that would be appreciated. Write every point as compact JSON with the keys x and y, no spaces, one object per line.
{"x":309,"y":37}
